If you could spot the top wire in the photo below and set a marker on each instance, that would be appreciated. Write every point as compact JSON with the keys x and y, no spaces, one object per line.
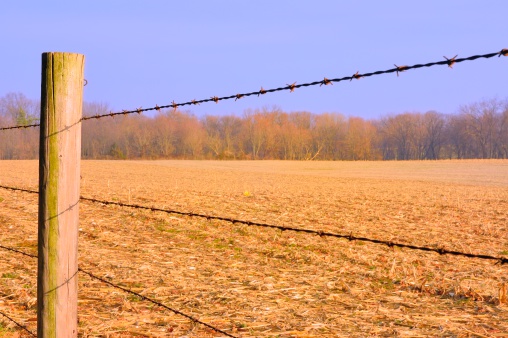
{"x":291,"y":87}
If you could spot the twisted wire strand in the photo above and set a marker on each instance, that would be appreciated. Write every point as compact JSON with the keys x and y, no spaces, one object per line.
{"x":195,"y":320}
{"x":2,"y":313}
{"x":350,"y":237}
{"x":12,"y":320}
{"x":153,"y":301}
{"x":291,"y":87}
{"x":18,"y":324}
{"x":20,"y":126}
{"x":17,"y":251}
{"x":19,"y":189}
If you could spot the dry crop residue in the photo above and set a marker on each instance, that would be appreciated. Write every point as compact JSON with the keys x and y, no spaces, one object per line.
{"x":256,"y":282}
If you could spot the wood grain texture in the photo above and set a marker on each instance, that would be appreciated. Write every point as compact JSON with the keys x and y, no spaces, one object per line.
{"x":59,"y":172}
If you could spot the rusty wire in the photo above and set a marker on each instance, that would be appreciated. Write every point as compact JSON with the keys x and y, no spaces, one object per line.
{"x":291,"y":87}
{"x":18,"y":324}
{"x":20,"y":126}
{"x":350,"y":237}
{"x":153,"y":301}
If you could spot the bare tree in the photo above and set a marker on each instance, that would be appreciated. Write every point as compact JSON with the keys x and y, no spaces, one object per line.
{"x":479,"y":130}
{"x":482,"y":121}
{"x":434,"y":125}
{"x":329,"y":134}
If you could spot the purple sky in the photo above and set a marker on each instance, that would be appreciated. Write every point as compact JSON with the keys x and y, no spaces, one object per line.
{"x":143,"y":53}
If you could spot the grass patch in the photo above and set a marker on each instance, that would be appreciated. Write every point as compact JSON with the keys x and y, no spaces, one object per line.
{"x":133,"y":298}
{"x":220,"y":244}
{"x":197,"y":235}
{"x":162,"y":226}
{"x":242,"y":231}
{"x":384,"y":283}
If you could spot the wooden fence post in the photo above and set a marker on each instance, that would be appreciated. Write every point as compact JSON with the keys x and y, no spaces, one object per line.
{"x":59,"y":175}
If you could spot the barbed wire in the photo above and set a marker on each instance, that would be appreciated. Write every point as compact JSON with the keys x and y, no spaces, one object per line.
{"x":350,"y":237}
{"x":17,"y":251}
{"x":12,"y":320}
{"x":291,"y":87}
{"x":153,"y":301}
{"x":20,"y":126}
{"x":18,"y":189}
{"x":18,"y":324}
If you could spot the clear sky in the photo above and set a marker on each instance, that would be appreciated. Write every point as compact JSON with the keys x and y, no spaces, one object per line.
{"x":143,"y":53}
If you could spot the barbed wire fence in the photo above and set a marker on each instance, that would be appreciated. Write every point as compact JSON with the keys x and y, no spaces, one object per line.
{"x":119,"y":287}
{"x":21,"y":326}
{"x":320,"y":233}
{"x":291,"y":87}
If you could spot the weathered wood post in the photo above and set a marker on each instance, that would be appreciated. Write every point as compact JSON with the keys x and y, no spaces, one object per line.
{"x":59,"y":174}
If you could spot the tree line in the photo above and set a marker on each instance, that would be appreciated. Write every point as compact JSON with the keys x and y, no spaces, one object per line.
{"x":478,"y":130}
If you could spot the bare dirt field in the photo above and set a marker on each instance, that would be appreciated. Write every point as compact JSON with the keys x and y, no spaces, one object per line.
{"x":258,"y":282}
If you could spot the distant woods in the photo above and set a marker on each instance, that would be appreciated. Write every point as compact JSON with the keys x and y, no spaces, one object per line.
{"x":478,"y":130}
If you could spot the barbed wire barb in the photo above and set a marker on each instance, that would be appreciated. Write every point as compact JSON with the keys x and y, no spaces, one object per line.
{"x":400,"y":69}
{"x":291,"y":87}
{"x":326,"y":82}
{"x":356,"y":76}
{"x":451,"y":61}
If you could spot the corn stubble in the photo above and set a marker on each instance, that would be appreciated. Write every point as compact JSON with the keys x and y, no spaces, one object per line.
{"x":255,"y":282}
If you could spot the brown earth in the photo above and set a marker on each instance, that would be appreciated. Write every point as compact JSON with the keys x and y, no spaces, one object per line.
{"x":257,"y":282}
